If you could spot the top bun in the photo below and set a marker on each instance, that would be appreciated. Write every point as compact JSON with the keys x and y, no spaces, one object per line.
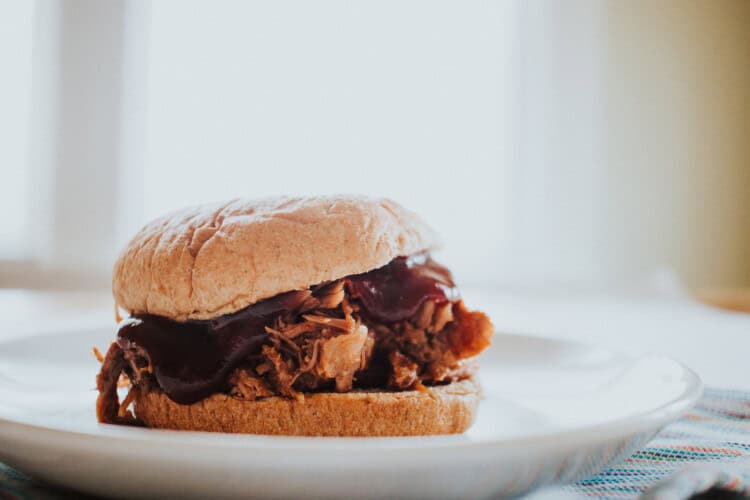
{"x":210,"y":260}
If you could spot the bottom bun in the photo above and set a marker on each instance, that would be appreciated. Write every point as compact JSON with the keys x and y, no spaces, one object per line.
{"x":445,"y":409}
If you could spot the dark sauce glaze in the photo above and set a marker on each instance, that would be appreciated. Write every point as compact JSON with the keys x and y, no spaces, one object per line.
{"x":396,"y":291}
{"x":191,"y":360}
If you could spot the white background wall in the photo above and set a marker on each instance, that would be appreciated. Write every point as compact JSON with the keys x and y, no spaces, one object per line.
{"x":576,"y":143}
{"x":410,"y":100}
{"x":16,"y":21}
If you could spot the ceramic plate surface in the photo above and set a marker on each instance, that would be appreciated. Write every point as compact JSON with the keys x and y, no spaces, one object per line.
{"x":553,"y":412}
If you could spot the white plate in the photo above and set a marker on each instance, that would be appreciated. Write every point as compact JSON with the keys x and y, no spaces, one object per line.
{"x":553,"y":412}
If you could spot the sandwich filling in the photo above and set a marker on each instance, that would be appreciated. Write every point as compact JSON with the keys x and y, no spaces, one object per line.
{"x":398,"y":327}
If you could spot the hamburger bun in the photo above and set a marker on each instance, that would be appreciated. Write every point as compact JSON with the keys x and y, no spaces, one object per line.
{"x":211,"y":260}
{"x":387,"y":343}
{"x":446,"y":409}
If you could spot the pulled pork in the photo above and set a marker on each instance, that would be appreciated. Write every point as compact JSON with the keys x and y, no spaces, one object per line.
{"x":326,"y":342}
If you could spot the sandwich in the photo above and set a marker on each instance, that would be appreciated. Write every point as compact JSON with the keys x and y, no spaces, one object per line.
{"x":314,"y":316}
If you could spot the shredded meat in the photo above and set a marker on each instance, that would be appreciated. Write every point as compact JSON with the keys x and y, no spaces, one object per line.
{"x":108,"y":408}
{"x":282,"y":373}
{"x":405,"y":372}
{"x":245,"y":385}
{"x":325,"y":343}
{"x":98,"y":354}
{"x":123,"y":412}
{"x":343,"y":356}
{"x":469,"y":334}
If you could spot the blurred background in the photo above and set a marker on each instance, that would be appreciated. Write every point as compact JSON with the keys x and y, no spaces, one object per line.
{"x":577,"y":145}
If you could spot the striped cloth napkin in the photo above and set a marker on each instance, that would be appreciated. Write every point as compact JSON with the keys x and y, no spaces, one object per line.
{"x":705,"y":452}
{"x":704,"y":455}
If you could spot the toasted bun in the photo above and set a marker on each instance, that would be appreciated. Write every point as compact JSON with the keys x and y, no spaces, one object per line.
{"x":447,"y":409}
{"x":206,"y":261}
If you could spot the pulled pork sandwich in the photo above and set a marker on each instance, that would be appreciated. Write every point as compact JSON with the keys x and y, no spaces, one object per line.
{"x":301,"y":316}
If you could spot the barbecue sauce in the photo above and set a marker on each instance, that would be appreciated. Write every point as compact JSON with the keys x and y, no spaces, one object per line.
{"x":191,"y":360}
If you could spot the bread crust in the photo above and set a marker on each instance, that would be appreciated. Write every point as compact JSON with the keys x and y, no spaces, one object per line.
{"x":210,"y":260}
{"x":447,"y":409}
